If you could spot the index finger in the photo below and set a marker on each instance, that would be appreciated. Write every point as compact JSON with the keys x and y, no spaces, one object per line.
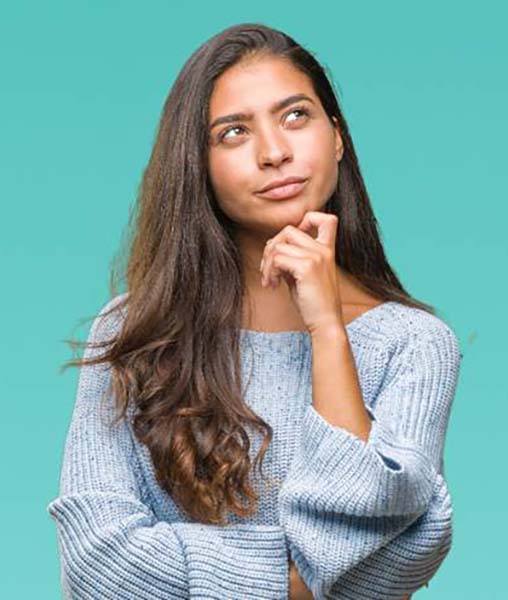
{"x":326,"y":224}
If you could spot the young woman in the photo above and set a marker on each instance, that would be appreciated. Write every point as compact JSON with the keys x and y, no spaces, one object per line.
{"x":262,"y":327}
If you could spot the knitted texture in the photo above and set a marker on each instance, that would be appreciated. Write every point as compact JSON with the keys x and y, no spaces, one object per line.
{"x":361,"y":520}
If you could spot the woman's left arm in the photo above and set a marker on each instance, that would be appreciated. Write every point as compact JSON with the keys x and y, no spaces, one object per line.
{"x":406,"y":563}
{"x":360,"y":478}
{"x":371,"y":510}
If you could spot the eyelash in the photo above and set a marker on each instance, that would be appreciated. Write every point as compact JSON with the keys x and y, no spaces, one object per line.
{"x":301,"y":109}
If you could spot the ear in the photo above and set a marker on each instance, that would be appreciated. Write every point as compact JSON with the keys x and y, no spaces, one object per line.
{"x":339,"y":146}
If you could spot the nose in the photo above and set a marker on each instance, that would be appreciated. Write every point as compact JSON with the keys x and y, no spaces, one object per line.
{"x":273,"y":148}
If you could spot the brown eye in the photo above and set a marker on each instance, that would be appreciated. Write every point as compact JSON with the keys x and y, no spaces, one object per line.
{"x":302,"y":110}
{"x":223,"y":134}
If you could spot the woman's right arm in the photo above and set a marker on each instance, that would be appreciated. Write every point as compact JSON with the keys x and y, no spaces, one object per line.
{"x":378,"y":513}
{"x":111,"y":544}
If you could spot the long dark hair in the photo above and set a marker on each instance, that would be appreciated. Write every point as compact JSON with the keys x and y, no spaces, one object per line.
{"x":174,"y":355}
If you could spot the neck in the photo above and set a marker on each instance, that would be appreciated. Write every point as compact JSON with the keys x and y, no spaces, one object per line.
{"x":267,"y":308}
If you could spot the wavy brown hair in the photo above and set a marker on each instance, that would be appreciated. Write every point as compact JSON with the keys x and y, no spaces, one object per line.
{"x":174,"y":355}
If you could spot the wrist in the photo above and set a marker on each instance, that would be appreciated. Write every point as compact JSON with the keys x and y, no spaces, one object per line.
{"x":329,"y":331}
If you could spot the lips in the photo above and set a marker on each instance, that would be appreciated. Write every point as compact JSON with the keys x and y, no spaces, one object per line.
{"x":281,"y":192}
{"x":281,"y":183}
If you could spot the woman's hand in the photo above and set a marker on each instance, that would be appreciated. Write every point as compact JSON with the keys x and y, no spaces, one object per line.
{"x":308,"y":267}
{"x":297,"y":588}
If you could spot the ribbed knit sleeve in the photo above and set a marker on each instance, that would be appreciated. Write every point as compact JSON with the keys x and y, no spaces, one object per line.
{"x":406,"y":563}
{"x":112,"y":546}
{"x":345,"y":499}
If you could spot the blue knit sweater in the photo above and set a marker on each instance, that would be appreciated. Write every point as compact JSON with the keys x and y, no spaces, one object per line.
{"x":361,"y":520}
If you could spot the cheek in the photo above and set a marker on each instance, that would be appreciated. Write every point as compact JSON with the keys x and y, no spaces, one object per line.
{"x":331,"y":170}
{"x":217,"y":173}
{"x":328,"y":167}
{"x":319,"y":154}
{"x":330,"y":178}
{"x":324,"y":168}
{"x":222,"y":177}
{"x":228,"y":167}
{"x":230,"y":184}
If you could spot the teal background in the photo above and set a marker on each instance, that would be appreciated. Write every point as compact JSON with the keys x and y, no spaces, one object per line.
{"x":424,"y":89}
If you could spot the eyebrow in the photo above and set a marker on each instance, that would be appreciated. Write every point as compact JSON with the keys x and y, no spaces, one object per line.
{"x":249,"y":116}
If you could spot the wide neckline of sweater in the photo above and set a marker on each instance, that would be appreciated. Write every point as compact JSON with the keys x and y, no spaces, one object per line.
{"x":298,"y":337}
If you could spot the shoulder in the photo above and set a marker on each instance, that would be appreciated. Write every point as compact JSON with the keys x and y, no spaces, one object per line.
{"x":115,"y":304}
{"x":411,"y":334}
{"x":110,"y":316}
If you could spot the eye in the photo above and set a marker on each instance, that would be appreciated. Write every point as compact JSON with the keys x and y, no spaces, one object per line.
{"x":298,"y":109}
{"x":226,"y":131}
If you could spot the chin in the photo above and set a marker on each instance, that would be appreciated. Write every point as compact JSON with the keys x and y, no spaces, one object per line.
{"x":287,"y":214}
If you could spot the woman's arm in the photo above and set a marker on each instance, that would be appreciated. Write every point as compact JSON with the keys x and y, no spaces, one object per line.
{"x":336,"y":390}
{"x":345,"y":498}
{"x":408,"y":562}
{"x":112,"y":545}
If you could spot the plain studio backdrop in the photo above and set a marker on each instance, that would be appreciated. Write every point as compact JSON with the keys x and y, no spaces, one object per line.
{"x":423,"y":86}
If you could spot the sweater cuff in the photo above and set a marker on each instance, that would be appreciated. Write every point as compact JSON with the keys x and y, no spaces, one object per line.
{"x":252,"y":558}
{"x":329,"y":453}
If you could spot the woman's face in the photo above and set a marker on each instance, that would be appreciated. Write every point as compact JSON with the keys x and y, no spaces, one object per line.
{"x":246,"y":155}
